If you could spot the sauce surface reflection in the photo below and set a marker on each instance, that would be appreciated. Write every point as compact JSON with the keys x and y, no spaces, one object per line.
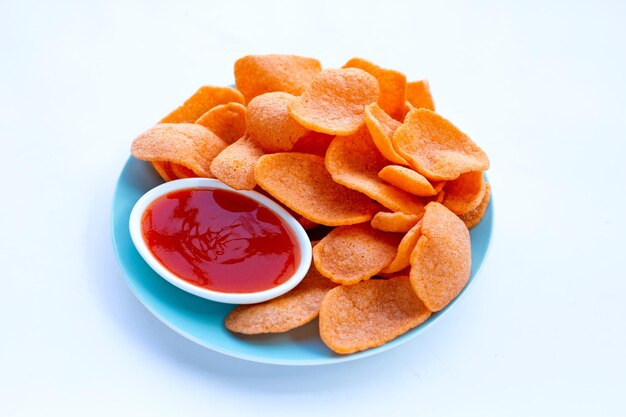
{"x":220,"y":240}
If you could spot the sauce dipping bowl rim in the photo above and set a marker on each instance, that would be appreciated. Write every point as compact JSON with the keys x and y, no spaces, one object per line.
{"x":297,"y":231}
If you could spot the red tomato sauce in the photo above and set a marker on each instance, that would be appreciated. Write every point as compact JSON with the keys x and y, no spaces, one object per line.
{"x":220,"y":240}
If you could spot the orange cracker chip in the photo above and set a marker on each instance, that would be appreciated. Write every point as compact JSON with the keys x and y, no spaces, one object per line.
{"x":381,"y":127}
{"x":293,"y":309}
{"x":418,"y":94}
{"x":313,"y":142}
{"x":181,"y":171}
{"x":258,"y":74}
{"x":392,"y":85}
{"x":164,"y":169}
{"x":270,"y":124}
{"x":354,"y":161}
{"x":407,"y":179}
{"x":300,"y":181}
{"x":187,"y":144}
{"x":438,"y":186}
{"x":436,"y":148}
{"x":474,"y":216}
{"x":397,"y":222}
{"x":228,"y":121}
{"x":234,"y":166}
{"x":441,"y":261}
{"x":202,"y":101}
{"x":464,"y":193}
{"x":369,"y":314}
{"x":405,"y":248}
{"x":349,"y":254}
{"x":335,"y":101}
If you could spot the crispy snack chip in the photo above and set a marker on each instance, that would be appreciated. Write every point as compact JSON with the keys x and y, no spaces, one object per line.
{"x":234,"y":166}
{"x":349,"y":254}
{"x":313,"y":142}
{"x":436,"y":148}
{"x":407,"y":179}
{"x":182,"y":171}
{"x":164,"y":169}
{"x":190,"y":145}
{"x":442,"y":259}
{"x":293,"y":309}
{"x":405,"y":248}
{"x":392,"y":85}
{"x":228,"y":121}
{"x":201,"y":102}
{"x":464,"y":193}
{"x":258,"y":74}
{"x":300,"y":181}
{"x":397,"y":222}
{"x":269,"y":123}
{"x":474,"y":216}
{"x":354,"y":161}
{"x":369,"y":314}
{"x":418,"y":94}
{"x":335,"y":101}
{"x":381,"y":127}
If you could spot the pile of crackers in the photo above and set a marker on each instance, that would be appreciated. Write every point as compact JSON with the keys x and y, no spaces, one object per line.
{"x":359,"y":149}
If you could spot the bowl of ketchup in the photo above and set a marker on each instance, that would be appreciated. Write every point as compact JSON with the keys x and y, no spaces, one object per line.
{"x":225,"y":245}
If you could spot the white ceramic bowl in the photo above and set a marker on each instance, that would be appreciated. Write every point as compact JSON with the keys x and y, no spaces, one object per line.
{"x":302,"y":241}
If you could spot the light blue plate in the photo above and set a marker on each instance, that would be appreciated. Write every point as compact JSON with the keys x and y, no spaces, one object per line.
{"x":202,"y":321}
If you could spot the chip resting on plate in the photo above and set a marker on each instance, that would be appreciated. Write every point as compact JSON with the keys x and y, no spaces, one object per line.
{"x":442,"y":259}
{"x":464,"y":193}
{"x":474,"y":216}
{"x":369,"y":314}
{"x":293,"y":309}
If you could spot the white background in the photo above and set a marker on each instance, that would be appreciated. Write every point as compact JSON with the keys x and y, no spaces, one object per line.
{"x":539,"y":85}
